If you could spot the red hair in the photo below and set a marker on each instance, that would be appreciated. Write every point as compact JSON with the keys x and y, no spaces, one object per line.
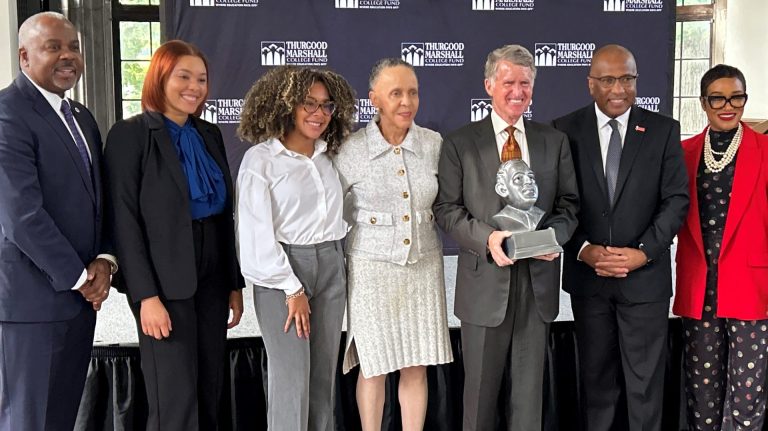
{"x":160,"y":67}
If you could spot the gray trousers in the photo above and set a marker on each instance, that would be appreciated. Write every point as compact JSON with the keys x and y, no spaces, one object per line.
{"x":301,"y":373}
{"x":517,"y":344}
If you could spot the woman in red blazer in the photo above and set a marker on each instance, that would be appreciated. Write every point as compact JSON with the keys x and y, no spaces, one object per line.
{"x":722,"y":262}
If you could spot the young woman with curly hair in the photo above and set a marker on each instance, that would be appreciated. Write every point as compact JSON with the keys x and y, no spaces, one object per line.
{"x":289,"y":226}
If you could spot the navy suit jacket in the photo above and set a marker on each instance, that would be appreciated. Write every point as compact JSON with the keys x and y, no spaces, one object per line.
{"x":50,"y":211}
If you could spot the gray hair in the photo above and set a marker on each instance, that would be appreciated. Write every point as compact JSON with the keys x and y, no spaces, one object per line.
{"x":385,"y":63}
{"x":514,"y":54}
{"x":27,"y":27}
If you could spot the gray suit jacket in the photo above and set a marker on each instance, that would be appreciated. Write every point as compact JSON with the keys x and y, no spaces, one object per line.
{"x":466,"y":203}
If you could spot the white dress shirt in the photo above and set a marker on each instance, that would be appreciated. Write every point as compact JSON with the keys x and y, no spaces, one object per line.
{"x":604,"y":132}
{"x":502,"y":135}
{"x":284,"y":197}
{"x":55,"y":101}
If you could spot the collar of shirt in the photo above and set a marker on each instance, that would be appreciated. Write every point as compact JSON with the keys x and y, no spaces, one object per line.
{"x":276,"y":147}
{"x":602,"y":121}
{"x":499,"y":126}
{"x":53,"y":99}
{"x":377,"y":145}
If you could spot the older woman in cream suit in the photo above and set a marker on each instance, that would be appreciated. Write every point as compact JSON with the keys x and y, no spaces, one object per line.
{"x":396,"y":303}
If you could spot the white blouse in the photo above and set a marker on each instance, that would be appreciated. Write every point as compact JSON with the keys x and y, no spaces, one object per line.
{"x":284,"y":197}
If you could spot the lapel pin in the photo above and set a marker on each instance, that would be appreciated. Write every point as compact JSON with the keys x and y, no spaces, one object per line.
{"x":77,"y":109}
{"x":640,"y":128}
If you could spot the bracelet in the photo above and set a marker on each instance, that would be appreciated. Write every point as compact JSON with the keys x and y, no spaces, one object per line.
{"x":300,"y":292}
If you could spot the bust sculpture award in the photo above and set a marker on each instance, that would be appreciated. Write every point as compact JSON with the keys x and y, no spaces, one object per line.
{"x":516,"y":184}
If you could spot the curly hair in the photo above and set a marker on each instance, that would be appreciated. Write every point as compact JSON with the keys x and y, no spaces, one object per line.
{"x":269,"y":105}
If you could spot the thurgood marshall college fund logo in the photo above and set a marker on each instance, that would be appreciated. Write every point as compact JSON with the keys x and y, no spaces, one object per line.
{"x":364,"y":111}
{"x":367,"y":4}
{"x":294,"y":52}
{"x":222,"y":111}
{"x":224,"y":3}
{"x":481,"y":108}
{"x":502,"y":4}
{"x":563,"y":54}
{"x":433,"y":53}
{"x":633,"y":5}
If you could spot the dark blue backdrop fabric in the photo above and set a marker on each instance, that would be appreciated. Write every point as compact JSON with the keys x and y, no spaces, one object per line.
{"x":447,"y":41}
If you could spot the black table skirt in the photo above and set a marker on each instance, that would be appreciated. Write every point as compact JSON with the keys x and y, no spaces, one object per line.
{"x":114,"y":396}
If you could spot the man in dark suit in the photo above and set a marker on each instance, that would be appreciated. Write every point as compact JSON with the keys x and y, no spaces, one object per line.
{"x":52,"y":275}
{"x":504,"y":306}
{"x":634,"y":197}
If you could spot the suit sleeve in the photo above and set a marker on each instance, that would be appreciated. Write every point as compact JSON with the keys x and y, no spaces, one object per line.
{"x":563,"y":217}
{"x":123,"y":156}
{"x":449,"y":208}
{"x":23,"y":219}
{"x":673,"y":198}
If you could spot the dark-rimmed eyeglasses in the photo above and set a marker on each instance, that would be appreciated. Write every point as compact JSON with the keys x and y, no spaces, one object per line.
{"x":609,"y":81}
{"x":718,"y":102}
{"x":311,"y":107}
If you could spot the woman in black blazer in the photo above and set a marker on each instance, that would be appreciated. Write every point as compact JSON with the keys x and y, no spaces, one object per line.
{"x":170,"y":205}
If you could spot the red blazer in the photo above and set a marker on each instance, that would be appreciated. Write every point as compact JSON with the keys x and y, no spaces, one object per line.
{"x":742,"y":285}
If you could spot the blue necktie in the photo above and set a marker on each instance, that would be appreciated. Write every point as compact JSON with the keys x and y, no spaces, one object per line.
{"x":613,"y":159}
{"x":79,"y":141}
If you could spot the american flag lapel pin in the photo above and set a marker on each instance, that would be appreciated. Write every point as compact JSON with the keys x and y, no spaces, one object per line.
{"x":640,"y":129}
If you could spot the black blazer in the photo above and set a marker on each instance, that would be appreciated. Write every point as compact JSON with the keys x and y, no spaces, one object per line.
{"x":650,"y":203}
{"x":148,"y":206}
{"x":466,"y":202}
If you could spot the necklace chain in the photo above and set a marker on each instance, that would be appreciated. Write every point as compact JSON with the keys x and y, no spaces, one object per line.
{"x":725,"y":156}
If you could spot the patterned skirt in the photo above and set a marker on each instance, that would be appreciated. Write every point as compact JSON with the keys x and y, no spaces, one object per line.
{"x":396,"y":315}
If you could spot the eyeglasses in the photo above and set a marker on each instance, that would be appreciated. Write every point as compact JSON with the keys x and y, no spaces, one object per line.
{"x":626,"y":81}
{"x":311,"y":107}
{"x":718,"y":102}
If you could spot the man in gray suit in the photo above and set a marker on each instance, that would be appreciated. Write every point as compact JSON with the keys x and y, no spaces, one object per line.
{"x":504,"y":306}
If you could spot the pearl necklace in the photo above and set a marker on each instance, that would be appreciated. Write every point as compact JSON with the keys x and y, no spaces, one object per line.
{"x":727,"y":156}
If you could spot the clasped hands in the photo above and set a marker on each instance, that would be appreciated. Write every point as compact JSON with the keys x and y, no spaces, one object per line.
{"x":613,"y":261}
{"x":96,"y":287}
{"x":495,"y":240}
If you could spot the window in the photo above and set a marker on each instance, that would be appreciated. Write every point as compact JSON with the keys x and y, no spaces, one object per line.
{"x":136,"y":35}
{"x":698,"y":45}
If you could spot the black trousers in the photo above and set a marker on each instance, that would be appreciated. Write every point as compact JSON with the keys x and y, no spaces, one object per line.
{"x":617,"y":338}
{"x":184,"y":373}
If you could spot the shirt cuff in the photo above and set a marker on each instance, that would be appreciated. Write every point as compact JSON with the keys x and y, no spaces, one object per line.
{"x":81,"y":280}
{"x":578,"y":256}
{"x":112,"y":262}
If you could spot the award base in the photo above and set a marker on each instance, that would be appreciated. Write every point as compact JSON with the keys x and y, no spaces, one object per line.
{"x":529,"y":244}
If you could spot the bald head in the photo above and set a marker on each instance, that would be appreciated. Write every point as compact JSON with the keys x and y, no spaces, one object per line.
{"x":49,"y":52}
{"x":613,"y":80}
{"x":32,"y":25}
{"x":612,"y":54}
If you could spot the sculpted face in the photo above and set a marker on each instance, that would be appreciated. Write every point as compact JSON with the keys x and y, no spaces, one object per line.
{"x":615,"y":98}
{"x":396,"y":96}
{"x":51,"y":56}
{"x":723,"y":94}
{"x":511,"y":90}
{"x":516,"y":183}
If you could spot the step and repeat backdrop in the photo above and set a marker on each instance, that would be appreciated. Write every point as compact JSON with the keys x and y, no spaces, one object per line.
{"x":447,"y":41}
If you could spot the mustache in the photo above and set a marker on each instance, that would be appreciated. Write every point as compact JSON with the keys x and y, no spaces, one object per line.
{"x":66,"y":63}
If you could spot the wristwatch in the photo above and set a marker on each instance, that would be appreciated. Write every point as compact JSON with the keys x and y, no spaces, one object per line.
{"x":641,"y":247}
